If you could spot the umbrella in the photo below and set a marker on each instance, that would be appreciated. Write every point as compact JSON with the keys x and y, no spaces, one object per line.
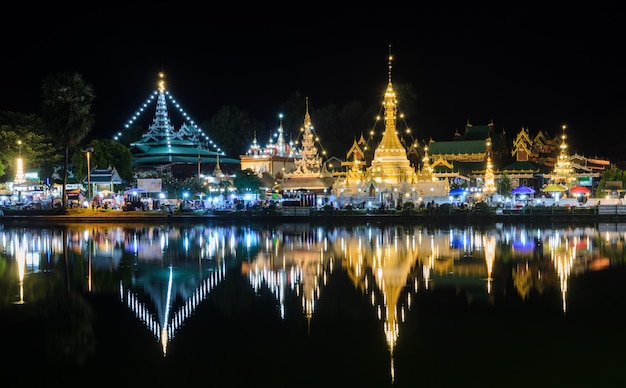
{"x":105,"y":193}
{"x":579,"y":190}
{"x":458,"y":191}
{"x":134,"y":191}
{"x":523,"y":190}
{"x":554,"y":188}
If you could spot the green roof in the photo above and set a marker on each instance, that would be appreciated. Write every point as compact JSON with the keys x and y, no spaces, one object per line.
{"x":457,"y":147}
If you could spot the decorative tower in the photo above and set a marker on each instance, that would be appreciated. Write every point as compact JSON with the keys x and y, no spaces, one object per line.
{"x":161,"y":130}
{"x":310,"y":161}
{"x":218,"y":170}
{"x":391,"y":164}
{"x":162,"y":147}
{"x":390,"y":180}
{"x":563,"y":171}
{"x":281,"y":145}
{"x":489,"y":187}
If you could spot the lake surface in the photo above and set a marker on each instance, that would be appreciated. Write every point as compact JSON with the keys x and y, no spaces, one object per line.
{"x":305,"y":305}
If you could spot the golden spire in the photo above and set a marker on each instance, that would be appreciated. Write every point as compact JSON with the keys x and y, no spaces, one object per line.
{"x":161,"y":84}
{"x":389,"y":63}
{"x":307,"y":116}
{"x":390,"y":143}
{"x":217,"y":170}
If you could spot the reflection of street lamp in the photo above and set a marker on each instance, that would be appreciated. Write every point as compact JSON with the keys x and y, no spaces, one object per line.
{"x":88,"y":152}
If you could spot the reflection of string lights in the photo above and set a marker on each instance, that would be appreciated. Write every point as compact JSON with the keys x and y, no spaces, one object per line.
{"x":388,"y":264}
{"x":165,"y":330}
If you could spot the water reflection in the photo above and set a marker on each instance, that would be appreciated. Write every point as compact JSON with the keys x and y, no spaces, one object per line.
{"x":163,"y":273}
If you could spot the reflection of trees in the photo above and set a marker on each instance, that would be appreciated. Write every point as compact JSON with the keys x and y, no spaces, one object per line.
{"x":70,"y":333}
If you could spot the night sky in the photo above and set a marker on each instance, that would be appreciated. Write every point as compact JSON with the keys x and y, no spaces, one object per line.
{"x":537,"y":72}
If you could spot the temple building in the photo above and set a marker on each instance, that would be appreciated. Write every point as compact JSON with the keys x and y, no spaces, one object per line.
{"x":389,"y":180}
{"x":309,"y":179}
{"x":471,"y":158}
{"x":182,"y":153}
{"x":270,"y":162}
{"x":478,"y":158}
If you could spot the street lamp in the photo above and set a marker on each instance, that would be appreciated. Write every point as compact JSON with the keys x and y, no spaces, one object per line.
{"x":88,"y":152}
{"x":19,"y":171}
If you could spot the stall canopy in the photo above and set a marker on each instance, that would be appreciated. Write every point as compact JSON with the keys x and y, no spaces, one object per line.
{"x":458,"y":191}
{"x":523,"y":190}
{"x":579,"y":190}
{"x":552,"y":188}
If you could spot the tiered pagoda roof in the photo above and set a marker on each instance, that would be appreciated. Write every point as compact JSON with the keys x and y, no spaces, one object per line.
{"x":163,"y":146}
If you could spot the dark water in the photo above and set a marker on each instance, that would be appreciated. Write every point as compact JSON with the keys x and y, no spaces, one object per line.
{"x":299,"y":305}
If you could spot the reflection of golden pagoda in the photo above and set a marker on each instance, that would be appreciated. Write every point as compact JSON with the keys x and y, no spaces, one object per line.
{"x":296,"y":263}
{"x":391,"y":257}
{"x":390,"y":179}
{"x":392,"y":272}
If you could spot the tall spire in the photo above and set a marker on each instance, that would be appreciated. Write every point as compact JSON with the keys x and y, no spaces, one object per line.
{"x":563,"y":171}
{"x":217,"y":171}
{"x":390,"y":178}
{"x":280,"y":142}
{"x":161,"y":130}
{"x":389,"y":63}
{"x":390,"y":143}
{"x":309,"y":161}
{"x":390,"y":160}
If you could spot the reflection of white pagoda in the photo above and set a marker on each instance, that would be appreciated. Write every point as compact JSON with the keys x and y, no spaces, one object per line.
{"x":296,"y":264}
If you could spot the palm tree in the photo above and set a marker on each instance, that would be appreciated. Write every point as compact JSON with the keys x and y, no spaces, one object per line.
{"x":67,"y":100}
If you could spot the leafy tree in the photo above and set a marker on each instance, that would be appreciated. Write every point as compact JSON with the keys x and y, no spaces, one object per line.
{"x":247,"y":181}
{"x":504,"y":185}
{"x":233,"y":129}
{"x":175,"y":188}
{"x":611,"y":174}
{"x":130,"y":135}
{"x":106,"y":153}
{"x":67,"y":116}
{"x":22,"y":134}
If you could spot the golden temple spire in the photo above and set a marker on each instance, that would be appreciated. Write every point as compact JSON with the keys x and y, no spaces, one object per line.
{"x":389,"y":63}
{"x":218,"y":170}
{"x":161,"y":83}
{"x":307,"y":116}
{"x":390,"y":143}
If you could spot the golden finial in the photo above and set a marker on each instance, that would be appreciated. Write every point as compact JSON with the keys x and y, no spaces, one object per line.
{"x":390,"y":59}
{"x":161,"y":82}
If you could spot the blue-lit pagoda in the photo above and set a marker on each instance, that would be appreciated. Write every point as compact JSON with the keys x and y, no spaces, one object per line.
{"x":163,"y":150}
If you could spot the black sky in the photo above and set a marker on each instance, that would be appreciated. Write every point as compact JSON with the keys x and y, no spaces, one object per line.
{"x":537,"y":72}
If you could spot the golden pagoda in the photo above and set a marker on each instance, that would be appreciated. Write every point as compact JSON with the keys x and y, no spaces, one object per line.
{"x":389,"y":180}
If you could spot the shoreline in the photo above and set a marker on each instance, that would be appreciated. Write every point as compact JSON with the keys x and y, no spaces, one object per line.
{"x":243,"y":217}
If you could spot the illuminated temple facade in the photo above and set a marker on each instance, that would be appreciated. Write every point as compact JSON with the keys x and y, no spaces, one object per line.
{"x":389,"y":180}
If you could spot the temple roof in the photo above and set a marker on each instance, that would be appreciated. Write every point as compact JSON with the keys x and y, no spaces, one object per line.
{"x":163,"y":144}
{"x":457,"y":147}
